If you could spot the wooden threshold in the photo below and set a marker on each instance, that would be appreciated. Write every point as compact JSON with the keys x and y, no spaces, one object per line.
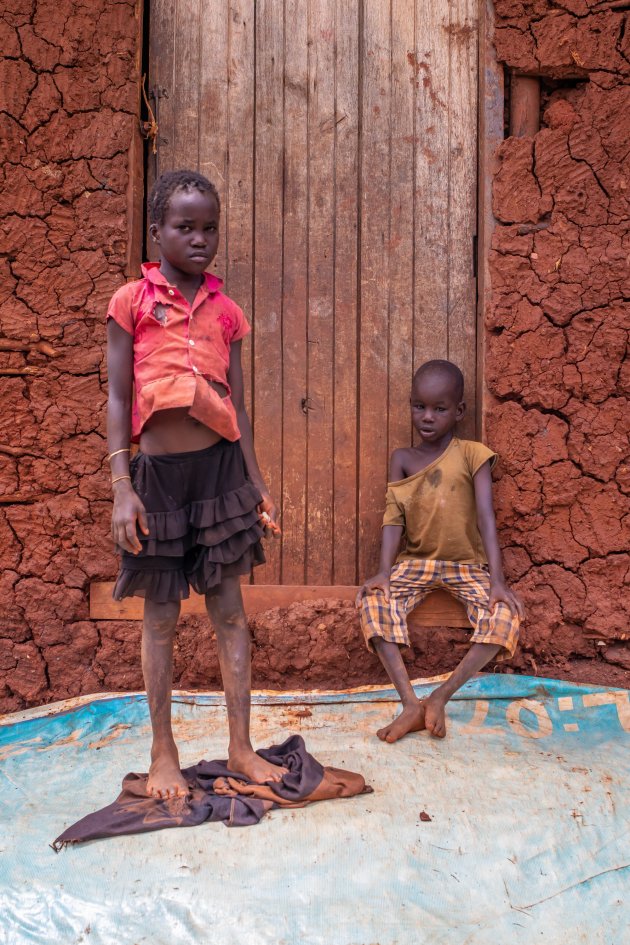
{"x":438,"y":610}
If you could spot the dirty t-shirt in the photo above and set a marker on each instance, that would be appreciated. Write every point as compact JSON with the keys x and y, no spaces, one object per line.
{"x":437,"y":508}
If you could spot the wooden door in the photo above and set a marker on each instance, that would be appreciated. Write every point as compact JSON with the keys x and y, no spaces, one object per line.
{"x":341,"y":135}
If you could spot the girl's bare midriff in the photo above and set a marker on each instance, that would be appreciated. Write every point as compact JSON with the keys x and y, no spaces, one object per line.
{"x":175,"y":431}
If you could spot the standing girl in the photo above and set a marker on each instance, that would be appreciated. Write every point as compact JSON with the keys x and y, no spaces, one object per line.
{"x":191,"y":506}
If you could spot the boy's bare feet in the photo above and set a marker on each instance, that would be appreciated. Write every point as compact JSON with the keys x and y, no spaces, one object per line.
{"x":435,"y":716}
{"x":165,"y":778}
{"x":426,"y":714}
{"x":254,"y":767}
{"x":411,"y":719}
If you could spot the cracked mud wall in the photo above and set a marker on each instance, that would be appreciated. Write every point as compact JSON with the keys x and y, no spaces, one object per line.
{"x":557,"y":326}
{"x":557,"y":379}
{"x":68,"y":119}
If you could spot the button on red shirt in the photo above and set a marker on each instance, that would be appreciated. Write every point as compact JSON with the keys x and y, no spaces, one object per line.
{"x":178,"y":348}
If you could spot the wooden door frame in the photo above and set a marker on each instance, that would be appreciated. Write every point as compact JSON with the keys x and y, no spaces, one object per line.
{"x":489,"y":136}
{"x":490,"y":95}
{"x":439,"y":608}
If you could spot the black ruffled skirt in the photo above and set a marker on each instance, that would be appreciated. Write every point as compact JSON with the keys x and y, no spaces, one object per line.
{"x":203,"y":521}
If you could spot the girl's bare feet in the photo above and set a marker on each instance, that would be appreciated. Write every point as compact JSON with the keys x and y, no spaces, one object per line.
{"x":247,"y":762}
{"x":165,"y":778}
{"x":411,"y":719}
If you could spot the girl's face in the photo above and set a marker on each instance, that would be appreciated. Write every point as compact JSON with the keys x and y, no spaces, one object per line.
{"x":189,"y":236}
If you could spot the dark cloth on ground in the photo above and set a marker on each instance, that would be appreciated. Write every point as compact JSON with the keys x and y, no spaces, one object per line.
{"x":216,"y":793}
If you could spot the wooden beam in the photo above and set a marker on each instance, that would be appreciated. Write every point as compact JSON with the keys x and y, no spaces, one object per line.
{"x":438,"y":610}
{"x":524,"y":105}
{"x":491,"y":103}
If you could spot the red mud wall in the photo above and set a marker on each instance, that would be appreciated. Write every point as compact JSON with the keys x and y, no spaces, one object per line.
{"x":68,"y":118}
{"x":557,"y":330}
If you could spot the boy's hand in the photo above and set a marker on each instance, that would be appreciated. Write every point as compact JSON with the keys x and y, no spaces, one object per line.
{"x":269,"y":515}
{"x":380,"y":581}
{"x":128,"y":515}
{"x":501,"y":593}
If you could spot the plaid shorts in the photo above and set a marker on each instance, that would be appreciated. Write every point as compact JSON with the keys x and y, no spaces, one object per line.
{"x":413,"y":579}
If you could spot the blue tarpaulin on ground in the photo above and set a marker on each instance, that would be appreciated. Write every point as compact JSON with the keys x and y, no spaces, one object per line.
{"x":528,"y":839}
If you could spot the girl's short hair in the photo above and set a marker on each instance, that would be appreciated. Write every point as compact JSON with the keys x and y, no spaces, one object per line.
{"x":171,"y":181}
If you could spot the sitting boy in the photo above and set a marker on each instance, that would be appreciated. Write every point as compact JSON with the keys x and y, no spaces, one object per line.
{"x":440,"y":497}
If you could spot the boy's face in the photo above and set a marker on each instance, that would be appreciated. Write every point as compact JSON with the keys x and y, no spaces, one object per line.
{"x":189,"y":236}
{"x":434,"y":406}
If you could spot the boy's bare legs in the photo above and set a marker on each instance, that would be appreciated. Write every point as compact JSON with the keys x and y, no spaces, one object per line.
{"x":225,"y":609}
{"x":475,"y":659}
{"x":160,"y":620}
{"x":427,"y":713}
{"x":411,"y":719}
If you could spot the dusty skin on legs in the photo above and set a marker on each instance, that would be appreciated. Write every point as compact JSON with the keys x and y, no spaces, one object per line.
{"x":160,"y":620}
{"x":418,"y":714}
{"x":225,"y":609}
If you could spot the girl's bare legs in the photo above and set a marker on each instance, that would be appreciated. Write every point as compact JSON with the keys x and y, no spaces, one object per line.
{"x":225,"y":609}
{"x":160,"y":620}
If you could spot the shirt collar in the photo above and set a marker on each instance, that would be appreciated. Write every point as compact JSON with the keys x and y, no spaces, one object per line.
{"x":151,"y":272}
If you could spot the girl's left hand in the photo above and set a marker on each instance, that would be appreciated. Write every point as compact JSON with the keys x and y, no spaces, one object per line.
{"x":269,"y":516}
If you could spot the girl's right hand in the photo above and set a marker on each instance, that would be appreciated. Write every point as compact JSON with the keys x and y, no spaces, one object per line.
{"x":127,"y":516}
{"x":380,"y":581}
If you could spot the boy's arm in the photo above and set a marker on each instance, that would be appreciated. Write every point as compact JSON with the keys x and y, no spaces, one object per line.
{"x":390,"y":541}
{"x":235,"y":379}
{"x":499,"y":591}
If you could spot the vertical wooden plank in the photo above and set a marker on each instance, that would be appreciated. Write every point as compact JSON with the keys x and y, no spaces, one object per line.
{"x":295,"y":289}
{"x":401,"y":240}
{"x":213,"y":118}
{"x":321,"y":136}
{"x":345,"y":430}
{"x":161,"y":76}
{"x":239,"y":192}
{"x":374,"y":277}
{"x":136,"y":182}
{"x":185,"y":93}
{"x":429,"y":65}
{"x":491,"y":103}
{"x":268,"y":214}
{"x":462,"y":223}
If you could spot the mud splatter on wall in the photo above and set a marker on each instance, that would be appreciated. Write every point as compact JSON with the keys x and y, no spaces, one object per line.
{"x":557,"y":329}
{"x":556,"y":370}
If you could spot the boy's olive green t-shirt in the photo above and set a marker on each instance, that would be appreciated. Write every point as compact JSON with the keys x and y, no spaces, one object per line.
{"x":437,"y":508}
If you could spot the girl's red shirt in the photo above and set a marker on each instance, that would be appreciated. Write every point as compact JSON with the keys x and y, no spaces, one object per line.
{"x":178,"y":348}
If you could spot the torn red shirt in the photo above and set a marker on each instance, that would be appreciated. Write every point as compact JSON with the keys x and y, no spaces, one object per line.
{"x":178,"y":348}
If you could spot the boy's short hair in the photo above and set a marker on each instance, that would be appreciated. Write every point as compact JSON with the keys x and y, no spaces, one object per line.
{"x":448,"y":369}
{"x":171,"y":181}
